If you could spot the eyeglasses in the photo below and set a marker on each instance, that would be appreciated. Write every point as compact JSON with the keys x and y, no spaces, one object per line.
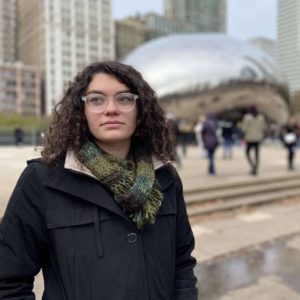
{"x":98,"y":102}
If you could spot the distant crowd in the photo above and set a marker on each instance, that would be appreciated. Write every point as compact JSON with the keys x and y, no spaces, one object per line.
{"x":209,"y":133}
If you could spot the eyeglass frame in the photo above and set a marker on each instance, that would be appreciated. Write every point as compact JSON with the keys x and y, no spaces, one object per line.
{"x":84,"y":99}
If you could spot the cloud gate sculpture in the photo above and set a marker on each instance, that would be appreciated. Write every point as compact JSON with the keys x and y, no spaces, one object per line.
{"x":198,"y":73}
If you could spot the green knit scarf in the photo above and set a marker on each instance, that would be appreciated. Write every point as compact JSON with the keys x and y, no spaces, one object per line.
{"x":132,"y":182}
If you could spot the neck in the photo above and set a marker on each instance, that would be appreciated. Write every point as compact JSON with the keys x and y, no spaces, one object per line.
{"x":119,"y":150}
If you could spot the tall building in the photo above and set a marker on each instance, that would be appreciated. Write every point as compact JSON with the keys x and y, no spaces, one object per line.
{"x":288,"y":41}
{"x":20,"y":89}
{"x":62,"y":37}
{"x":134,"y":31}
{"x":207,"y":15}
{"x":7,"y":30}
{"x":130,"y":33}
{"x":158,"y":25}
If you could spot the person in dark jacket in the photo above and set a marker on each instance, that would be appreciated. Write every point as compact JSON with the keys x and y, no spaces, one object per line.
{"x":289,"y":137}
{"x":102,"y":212}
{"x":210,"y":140}
{"x":227,"y":128}
{"x":18,"y":134}
{"x":174,"y":137}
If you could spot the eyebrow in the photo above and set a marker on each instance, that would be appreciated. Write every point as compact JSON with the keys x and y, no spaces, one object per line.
{"x":102,"y":93}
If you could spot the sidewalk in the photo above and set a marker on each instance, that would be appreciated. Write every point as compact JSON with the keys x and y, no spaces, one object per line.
{"x":273,"y":162}
{"x":218,"y":237}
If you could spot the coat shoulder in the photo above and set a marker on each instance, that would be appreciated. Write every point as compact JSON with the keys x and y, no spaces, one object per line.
{"x":42,"y":170}
{"x":167,"y":175}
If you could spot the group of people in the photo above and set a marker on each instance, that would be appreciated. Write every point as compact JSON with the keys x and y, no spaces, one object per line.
{"x":251,"y":129}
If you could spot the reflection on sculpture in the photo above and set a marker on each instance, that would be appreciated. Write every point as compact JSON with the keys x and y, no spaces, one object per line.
{"x":199,"y":73}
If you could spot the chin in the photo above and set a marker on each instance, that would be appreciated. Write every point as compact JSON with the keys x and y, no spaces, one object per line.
{"x":113,"y":138}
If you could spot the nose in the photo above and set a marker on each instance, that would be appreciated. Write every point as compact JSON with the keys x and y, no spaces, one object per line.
{"x":111,"y":106}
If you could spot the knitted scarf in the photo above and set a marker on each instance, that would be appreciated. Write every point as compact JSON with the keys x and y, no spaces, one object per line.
{"x":132,"y":182}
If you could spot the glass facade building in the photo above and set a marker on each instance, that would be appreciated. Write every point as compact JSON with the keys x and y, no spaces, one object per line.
{"x":207,"y":15}
{"x":8,"y":31}
{"x":288,"y":41}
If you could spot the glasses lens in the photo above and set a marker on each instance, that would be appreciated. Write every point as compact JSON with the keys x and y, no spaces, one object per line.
{"x":125,"y":101}
{"x":96,"y":102}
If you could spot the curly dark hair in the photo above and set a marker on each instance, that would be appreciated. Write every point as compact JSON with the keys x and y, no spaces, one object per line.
{"x":69,"y":129}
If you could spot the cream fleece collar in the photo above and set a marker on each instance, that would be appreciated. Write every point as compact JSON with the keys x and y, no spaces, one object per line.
{"x":73,"y":164}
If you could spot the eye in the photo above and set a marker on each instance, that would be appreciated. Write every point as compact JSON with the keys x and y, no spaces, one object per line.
{"x":96,"y":99}
{"x":125,"y":98}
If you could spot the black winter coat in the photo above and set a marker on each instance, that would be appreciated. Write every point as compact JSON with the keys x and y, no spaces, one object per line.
{"x":69,"y":225}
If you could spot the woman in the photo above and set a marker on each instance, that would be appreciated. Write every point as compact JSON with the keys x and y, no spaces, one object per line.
{"x":101,"y":212}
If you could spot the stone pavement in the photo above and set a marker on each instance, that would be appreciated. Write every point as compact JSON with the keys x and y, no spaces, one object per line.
{"x":226,"y":247}
{"x":273,"y":162}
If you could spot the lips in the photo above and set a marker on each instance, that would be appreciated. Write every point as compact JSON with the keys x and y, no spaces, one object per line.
{"x":112,"y":123}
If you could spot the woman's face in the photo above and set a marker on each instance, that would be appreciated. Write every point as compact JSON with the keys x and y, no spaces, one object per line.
{"x":112,"y":127}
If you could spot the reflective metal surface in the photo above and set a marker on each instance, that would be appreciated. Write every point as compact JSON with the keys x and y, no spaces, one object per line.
{"x":196,"y":73}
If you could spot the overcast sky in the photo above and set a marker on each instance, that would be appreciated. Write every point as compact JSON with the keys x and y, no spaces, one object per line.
{"x":246,"y":18}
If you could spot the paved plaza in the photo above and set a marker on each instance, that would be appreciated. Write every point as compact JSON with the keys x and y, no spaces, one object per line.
{"x":251,"y":255}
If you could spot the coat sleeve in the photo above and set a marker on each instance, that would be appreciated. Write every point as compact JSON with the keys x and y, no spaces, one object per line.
{"x":23,"y":239}
{"x":185,"y":280}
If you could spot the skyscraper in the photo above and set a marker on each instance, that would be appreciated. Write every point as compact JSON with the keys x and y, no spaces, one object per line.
{"x":20,"y":89}
{"x":62,"y":37}
{"x":288,"y":43}
{"x":129,"y":33}
{"x":207,"y":15}
{"x":7,"y":30}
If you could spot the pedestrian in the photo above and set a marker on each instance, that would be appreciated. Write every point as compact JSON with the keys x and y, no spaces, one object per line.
{"x":228,"y":139}
{"x":185,"y":129}
{"x":210,"y":141}
{"x":198,"y":135}
{"x":289,"y":138}
{"x":254,"y":127}
{"x":174,"y":137}
{"x":102,"y":211}
{"x":18,"y":135}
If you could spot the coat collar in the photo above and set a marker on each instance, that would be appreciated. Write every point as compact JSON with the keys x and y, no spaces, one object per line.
{"x":72,"y":163}
{"x":75,"y":179}
{"x":83,"y":187}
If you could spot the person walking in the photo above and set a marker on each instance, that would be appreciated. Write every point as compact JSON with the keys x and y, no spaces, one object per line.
{"x":254,"y":127}
{"x":227,"y":128}
{"x":102,"y":211}
{"x":210,"y":141}
{"x":174,"y":137}
{"x":198,"y":135}
{"x":18,"y":135}
{"x":289,"y":137}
